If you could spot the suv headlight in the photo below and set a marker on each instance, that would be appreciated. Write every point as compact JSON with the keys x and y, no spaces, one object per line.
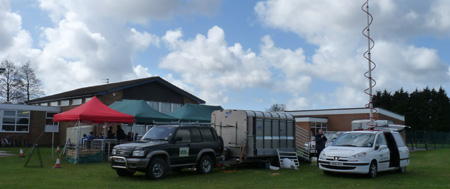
{"x":114,"y":151}
{"x":138,"y":153}
{"x":358,"y":155}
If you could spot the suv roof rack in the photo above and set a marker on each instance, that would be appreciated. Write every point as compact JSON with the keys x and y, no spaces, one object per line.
{"x":183,"y":123}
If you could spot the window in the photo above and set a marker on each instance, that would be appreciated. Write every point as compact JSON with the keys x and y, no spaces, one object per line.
{"x":165,"y":107}
{"x":15,"y":121}
{"x":175,"y":107}
{"x":207,"y":135}
{"x":398,"y":139}
{"x":154,"y":105}
{"x":380,"y":141}
{"x":76,"y":101}
{"x":64,"y":102}
{"x":50,"y":126}
{"x":184,"y":135}
{"x":54,"y":103}
{"x":196,"y":137}
{"x":87,"y":99}
{"x":44,"y":104}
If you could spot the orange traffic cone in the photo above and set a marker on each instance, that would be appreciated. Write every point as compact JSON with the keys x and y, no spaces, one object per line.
{"x":58,"y":163}
{"x":21,"y":153}
{"x":57,"y":150}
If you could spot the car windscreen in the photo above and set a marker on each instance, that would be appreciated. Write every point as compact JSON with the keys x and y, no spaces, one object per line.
{"x":159,"y":133}
{"x":355,"y":140}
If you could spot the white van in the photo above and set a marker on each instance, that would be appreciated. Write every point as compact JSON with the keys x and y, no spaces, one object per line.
{"x":366,"y":152}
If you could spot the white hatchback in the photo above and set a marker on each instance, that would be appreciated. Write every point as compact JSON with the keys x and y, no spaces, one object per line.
{"x":365,"y":152}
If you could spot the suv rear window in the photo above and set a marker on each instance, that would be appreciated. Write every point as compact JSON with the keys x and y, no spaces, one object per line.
{"x":398,"y":139}
{"x":207,"y":135}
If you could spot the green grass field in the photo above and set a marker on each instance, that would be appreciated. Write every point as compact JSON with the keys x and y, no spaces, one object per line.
{"x":428,"y":169}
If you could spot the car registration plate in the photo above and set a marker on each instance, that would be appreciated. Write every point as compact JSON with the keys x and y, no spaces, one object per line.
{"x":336,"y":163}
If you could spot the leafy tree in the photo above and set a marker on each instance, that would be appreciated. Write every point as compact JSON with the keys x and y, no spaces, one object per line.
{"x":32,"y":85}
{"x":423,"y":110}
{"x":11,"y":84}
{"x":277,"y":108}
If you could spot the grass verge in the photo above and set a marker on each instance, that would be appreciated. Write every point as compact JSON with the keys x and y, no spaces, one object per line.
{"x":428,"y":169}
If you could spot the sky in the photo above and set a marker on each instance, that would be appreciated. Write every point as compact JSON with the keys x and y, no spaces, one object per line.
{"x":237,"y":54}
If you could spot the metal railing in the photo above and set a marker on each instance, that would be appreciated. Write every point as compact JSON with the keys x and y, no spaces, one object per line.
{"x":426,"y":140}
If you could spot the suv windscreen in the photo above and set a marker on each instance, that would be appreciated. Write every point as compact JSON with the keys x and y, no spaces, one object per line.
{"x":159,"y":133}
{"x":355,"y":140}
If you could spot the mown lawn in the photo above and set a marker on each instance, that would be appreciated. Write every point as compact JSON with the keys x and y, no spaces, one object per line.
{"x":428,"y":169}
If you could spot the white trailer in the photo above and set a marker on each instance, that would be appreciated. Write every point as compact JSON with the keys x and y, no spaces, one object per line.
{"x":252,"y":135}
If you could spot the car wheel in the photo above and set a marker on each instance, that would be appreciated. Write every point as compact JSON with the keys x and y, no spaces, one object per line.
{"x":124,"y":173}
{"x":401,"y":169}
{"x":205,"y":165}
{"x":373,"y":170}
{"x":157,"y":169}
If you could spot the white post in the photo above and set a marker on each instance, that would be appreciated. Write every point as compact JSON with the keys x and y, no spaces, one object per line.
{"x":53,"y":138}
{"x":78,"y":142}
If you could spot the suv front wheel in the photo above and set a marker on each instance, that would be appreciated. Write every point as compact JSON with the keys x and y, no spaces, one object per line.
{"x":157,"y":169}
{"x":205,"y":165}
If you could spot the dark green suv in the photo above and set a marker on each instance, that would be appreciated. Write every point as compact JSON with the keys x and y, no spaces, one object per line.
{"x":169,"y":147}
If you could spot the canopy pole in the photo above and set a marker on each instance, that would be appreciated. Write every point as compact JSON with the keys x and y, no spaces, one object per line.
{"x":103,"y":139}
{"x":132,"y":132}
{"x":78,"y":142}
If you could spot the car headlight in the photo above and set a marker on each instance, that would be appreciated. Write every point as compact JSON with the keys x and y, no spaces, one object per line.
{"x":138,"y":153}
{"x":358,"y":155}
{"x":114,"y":151}
{"x":322,"y":155}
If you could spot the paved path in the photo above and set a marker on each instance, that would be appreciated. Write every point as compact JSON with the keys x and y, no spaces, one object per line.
{"x":4,"y":154}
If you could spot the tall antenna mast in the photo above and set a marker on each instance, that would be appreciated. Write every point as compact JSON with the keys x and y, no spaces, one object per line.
{"x":371,"y":64}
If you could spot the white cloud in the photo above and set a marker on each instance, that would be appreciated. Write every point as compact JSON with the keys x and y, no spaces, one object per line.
{"x":208,"y":64}
{"x":335,"y":27}
{"x":297,"y":103}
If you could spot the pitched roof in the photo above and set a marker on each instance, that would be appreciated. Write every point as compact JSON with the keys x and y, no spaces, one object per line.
{"x":111,"y":87}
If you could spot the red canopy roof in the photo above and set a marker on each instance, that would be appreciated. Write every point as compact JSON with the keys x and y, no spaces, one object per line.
{"x":94,"y":111}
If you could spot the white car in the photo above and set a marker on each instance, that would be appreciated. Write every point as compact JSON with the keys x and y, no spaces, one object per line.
{"x":365,"y":152}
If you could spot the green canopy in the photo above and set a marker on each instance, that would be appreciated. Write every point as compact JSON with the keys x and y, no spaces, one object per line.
{"x":142,"y":112}
{"x":194,"y":112}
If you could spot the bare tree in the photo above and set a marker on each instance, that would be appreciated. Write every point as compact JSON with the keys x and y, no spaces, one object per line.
{"x":277,"y":108}
{"x":32,"y":86}
{"x":11,"y":84}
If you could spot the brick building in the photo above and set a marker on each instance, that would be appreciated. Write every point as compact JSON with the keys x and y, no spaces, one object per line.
{"x":340,"y":119}
{"x":160,"y":94}
{"x":21,"y":124}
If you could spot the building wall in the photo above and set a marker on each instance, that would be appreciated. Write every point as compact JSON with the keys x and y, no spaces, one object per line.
{"x":153,"y":91}
{"x":37,"y":127}
{"x":343,"y":122}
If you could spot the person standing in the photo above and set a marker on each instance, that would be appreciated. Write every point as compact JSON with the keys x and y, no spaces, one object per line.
{"x":89,"y":139}
{"x":321,"y":139}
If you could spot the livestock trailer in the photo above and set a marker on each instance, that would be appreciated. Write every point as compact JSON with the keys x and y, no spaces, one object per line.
{"x":254,"y":135}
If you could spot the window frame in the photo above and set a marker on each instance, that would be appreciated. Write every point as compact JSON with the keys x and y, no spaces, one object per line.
{"x":16,"y":117}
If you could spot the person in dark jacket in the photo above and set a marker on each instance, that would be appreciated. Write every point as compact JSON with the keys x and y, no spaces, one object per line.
{"x":321,"y":139}
{"x":120,"y":133}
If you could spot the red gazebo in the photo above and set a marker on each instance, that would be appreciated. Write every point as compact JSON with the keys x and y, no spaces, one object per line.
{"x":94,"y":111}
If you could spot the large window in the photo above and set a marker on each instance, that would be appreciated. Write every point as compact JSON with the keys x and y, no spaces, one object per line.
{"x":64,"y":102}
{"x":76,"y":101}
{"x":164,"y":107}
{"x":15,"y":121}
{"x":316,"y":126}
